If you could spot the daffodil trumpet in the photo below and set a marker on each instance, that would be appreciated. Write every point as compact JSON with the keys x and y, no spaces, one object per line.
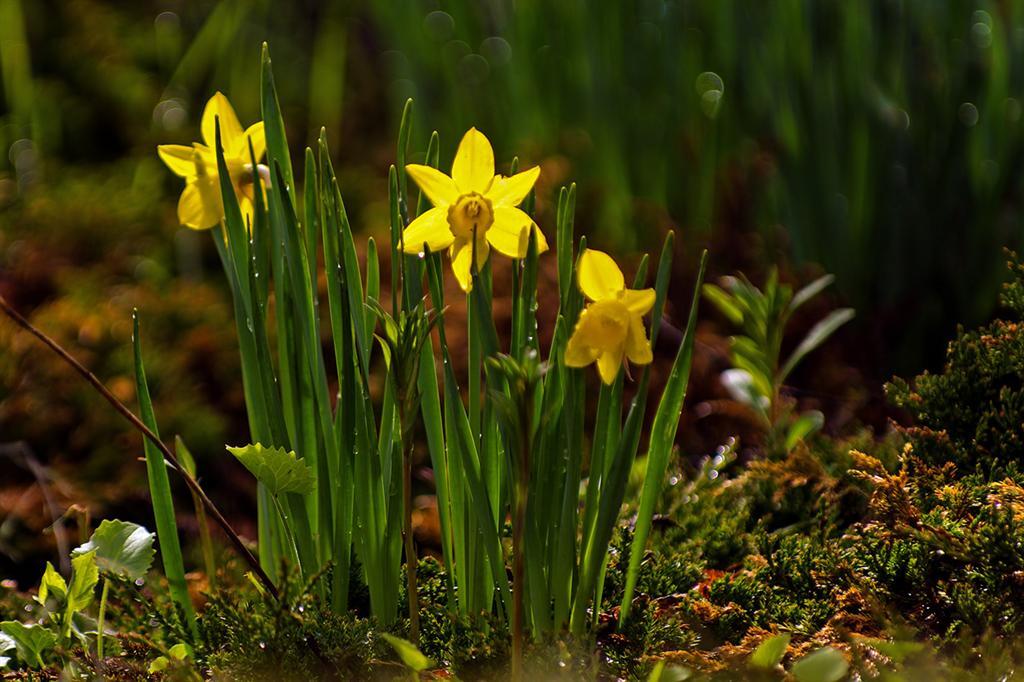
{"x":610,"y":330}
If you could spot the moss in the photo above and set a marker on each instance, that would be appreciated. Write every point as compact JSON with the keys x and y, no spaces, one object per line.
{"x":977,"y":401}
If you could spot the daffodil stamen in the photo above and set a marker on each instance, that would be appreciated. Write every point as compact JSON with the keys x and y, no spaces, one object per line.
{"x":471,"y":214}
{"x":474,"y":210}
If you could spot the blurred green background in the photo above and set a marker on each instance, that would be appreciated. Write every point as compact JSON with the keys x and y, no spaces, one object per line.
{"x":876,"y":140}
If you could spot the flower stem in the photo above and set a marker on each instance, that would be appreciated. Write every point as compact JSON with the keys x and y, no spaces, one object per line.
{"x":102,"y":618}
{"x":410,"y":549}
{"x":518,"y":537}
{"x":518,"y":572}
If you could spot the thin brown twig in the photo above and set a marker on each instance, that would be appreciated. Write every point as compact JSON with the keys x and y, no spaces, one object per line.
{"x":193,"y":485}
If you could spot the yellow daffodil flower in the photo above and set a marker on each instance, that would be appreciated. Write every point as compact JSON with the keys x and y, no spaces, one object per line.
{"x":611,"y":328}
{"x":474,"y":209}
{"x":201,"y":206}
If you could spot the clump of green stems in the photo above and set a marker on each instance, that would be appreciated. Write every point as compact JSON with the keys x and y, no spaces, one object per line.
{"x":759,"y":372}
{"x":334,"y":471}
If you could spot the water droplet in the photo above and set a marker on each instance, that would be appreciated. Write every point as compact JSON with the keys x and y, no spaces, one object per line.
{"x":439,"y":25}
{"x":710,"y":101}
{"x":968,"y":114}
{"x":473,"y":69}
{"x":981,"y":35}
{"x":496,"y":50}
{"x":709,"y":81}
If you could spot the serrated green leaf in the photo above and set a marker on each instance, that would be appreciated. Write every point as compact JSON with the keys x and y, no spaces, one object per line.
{"x":52,"y":584}
{"x":30,"y":641}
{"x":824,"y":665}
{"x":122,"y":549}
{"x":281,"y":471}
{"x":769,"y":653}
{"x":412,"y":657}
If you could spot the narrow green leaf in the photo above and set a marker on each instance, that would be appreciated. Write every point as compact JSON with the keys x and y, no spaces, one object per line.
{"x":725,"y":303}
{"x":563,"y":242}
{"x":818,"y":335}
{"x":273,"y":123}
{"x":804,"y":425}
{"x":160,"y":494}
{"x":810,"y":291}
{"x":185,"y":458}
{"x":661,"y":443}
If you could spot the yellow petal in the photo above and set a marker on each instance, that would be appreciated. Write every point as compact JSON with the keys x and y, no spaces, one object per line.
{"x":199,"y":206}
{"x":438,"y":187}
{"x":638,"y":348}
{"x":240,"y":151}
{"x":461,"y":253}
{"x":230,"y":129}
{"x":638,"y":301}
{"x":511,"y":191}
{"x":577,"y":352}
{"x":430,"y":228}
{"x":510,"y":232}
{"x":608,"y":365}
{"x":598,"y":275}
{"x":473,"y":168}
{"x":179,"y":158}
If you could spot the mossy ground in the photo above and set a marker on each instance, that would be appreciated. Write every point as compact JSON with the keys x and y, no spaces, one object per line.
{"x":904,"y":552}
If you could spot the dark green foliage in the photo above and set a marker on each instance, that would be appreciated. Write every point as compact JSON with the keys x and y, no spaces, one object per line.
{"x":978,"y":398}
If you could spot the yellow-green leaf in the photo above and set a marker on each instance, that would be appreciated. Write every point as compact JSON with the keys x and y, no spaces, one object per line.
{"x":280,"y":470}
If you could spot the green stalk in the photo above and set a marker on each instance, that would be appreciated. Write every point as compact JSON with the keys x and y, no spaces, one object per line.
{"x":410,"y":550}
{"x":102,"y":618}
{"x":206,"y":542}
{"x":518,"y":535}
